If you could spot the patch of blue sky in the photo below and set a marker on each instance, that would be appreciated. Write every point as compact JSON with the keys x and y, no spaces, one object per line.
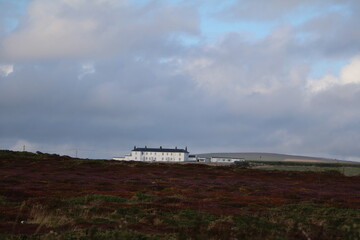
{"x":18,"y":10}
{"x":213,"y":25}
{"x":343,"y":8}
{"x":211,"y":30}
{"x":302,"y":17}
{"x":321,"y":68}
{"x":10,"y":24}
{"x":306,"y":13}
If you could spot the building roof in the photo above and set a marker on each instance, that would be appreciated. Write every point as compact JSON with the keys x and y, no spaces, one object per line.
{"x":161,"y":149}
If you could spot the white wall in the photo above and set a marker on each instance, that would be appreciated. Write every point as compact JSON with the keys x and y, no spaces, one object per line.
{"x":161,"y":156}
{"x":224,"y":160}
{"x":155,"y":156}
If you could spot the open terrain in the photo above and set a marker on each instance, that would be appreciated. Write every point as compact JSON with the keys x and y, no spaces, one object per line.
{"x":45,"y":196}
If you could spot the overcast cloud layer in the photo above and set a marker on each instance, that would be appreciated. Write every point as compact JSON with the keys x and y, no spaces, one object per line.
{"x":101,"y":76}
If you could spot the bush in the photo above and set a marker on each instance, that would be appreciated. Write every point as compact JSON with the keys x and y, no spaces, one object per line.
{"x":241,"y":164}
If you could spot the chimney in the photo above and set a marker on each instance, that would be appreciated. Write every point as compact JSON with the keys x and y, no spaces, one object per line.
{"x":160,"y":147}
{"x":175,"y":147}
{"x":145,"y":146}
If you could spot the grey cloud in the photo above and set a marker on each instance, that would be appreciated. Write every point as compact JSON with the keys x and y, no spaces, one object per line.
{"x":332,"y":35}
{"x":52,"y":105}
{"x":231,"y":69}
{"x":90,"y":29}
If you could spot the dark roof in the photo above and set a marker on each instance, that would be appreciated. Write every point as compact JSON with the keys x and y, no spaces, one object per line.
{"x":146,"y":149}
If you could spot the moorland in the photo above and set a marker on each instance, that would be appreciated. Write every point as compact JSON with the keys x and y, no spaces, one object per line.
{"x":47,"y":196}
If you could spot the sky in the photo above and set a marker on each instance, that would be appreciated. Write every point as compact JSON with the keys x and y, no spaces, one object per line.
{"x":94,"y":78}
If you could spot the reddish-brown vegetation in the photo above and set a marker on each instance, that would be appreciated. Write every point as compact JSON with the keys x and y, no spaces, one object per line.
{"x":45,"y":182}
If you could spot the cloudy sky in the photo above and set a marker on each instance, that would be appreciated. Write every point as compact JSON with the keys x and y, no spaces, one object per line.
{"x":100,"y":76}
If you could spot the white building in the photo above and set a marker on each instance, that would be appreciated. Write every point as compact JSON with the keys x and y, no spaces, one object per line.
{"x":156,"y":155}
{"x":218,"y":159}
{"x":192,"y":158}
{"x":226,"y":160}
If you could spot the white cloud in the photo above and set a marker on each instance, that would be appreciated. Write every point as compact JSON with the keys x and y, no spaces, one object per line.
{"x":349,"y":74}
{"x":235,"y":70}
{"x":86,"y":69}
{"x":318,"y":85}
{"x":5,"y":70}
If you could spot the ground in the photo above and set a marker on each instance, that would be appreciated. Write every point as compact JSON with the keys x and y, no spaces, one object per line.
{"x":45,"y":196}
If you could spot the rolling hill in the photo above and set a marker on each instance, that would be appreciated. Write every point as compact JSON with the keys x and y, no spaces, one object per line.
{"x":273,"y":157}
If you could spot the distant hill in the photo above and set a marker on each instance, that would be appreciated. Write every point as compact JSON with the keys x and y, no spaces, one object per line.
{"x":272,"y":157}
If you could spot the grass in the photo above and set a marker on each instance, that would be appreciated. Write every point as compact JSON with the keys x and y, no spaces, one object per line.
{"x":289,"y":221}
{"x":95,"y":197}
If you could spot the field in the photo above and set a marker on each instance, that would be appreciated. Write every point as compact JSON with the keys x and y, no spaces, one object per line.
{"x":45,"y":196}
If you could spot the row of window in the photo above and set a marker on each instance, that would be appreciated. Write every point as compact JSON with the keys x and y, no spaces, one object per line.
{"x":223,"y":160}
{"x":167,"y":154}
{"x":154,"y":159}
{"x":154,"y":153}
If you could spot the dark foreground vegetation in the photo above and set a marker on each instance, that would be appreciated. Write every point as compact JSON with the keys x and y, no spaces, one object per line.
{"x":45,"y":196}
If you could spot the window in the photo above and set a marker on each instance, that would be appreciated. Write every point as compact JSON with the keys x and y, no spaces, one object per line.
{"x":179,"y":159}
